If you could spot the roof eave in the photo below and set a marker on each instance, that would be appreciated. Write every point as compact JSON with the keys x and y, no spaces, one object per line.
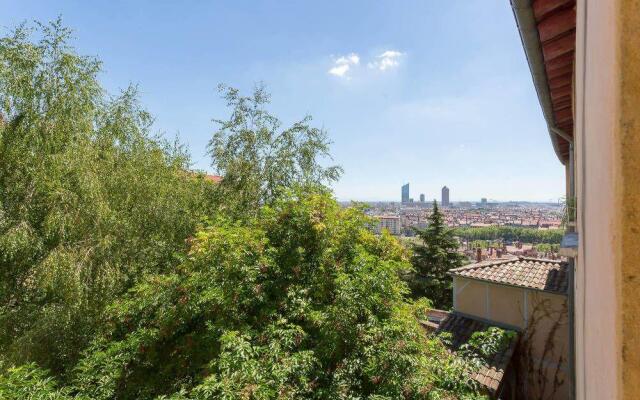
{"x":526,"y":22}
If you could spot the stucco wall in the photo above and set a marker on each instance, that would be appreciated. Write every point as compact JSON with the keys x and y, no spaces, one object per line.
{"x":607,"y":98}
{"x":628,"y":194}
{"x":470,"y":297}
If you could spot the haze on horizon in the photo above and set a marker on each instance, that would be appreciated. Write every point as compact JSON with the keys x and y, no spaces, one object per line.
{"x":431,"y":93}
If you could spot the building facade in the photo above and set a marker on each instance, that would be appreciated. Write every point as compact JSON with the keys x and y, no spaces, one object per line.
{"x":405,"y":193}
{"x":445,"y":197}
{"x":390,"y":223}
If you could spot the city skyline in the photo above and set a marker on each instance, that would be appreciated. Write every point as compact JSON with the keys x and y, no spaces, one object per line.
{"x":405,"y":197}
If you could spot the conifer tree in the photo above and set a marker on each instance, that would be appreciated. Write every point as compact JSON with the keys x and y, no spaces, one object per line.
{"x":437,"y":254}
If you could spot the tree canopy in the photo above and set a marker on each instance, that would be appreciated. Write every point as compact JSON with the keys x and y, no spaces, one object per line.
{"x":90,"y":200}
{"x":258,"y":158}
{"x":510,"y":234}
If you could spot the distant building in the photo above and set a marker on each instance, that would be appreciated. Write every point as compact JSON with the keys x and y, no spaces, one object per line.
{"x":422,"y":198}
{"x":445,"y":196}
{"x":405,"y":193}
{"x":389,"y":222}
{"x":483,"y":201}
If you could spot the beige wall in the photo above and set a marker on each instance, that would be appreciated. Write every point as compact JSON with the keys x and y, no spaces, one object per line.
{"x":607,"y":98}
{"x":628,"y":194}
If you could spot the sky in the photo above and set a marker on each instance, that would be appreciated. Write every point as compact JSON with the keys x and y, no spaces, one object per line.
{"x":430,"y":92}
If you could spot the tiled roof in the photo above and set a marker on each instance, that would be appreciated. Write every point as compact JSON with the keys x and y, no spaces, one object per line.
{"x":492,"y":370}
{"x":213,"y":178}
{"x":545,"y":275}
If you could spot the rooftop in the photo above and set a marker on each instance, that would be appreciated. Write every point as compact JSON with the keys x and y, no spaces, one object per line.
{"x":532,"y":273}
{"x":492,"y":372}
{"x":213,"y":178}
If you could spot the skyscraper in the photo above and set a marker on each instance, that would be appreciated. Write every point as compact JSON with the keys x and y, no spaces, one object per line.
{"x":405,"y":193}
{"x":445,"y":196}
{"x":422,"y":198}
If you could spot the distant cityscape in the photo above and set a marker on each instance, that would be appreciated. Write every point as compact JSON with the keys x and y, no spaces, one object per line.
{"x":400,"y":217}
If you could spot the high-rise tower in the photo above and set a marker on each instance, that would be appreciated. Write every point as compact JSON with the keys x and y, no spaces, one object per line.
{"x":405,"y":193}
{"x":445,"y":196}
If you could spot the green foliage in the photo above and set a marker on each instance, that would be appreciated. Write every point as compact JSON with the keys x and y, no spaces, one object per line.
{"x":90,"y":201}
{"x":291,"y":304}
{"x":547,"y":248}
{"x":437,"y":254}
{"x":258,"y":158}
{"x":301,"y":301}
{"x":510,"y":234}
{"x":484,"y":345}
{"x":28,"y":382}
{"x":455,"y":373}
{"x":480,"y":244}
{"x":569,"y":210}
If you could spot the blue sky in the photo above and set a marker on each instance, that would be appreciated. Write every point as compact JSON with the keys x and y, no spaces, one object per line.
{"x":428,"y":92}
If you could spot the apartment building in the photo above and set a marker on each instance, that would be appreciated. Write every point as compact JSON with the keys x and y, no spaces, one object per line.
{"x":390,"y":223}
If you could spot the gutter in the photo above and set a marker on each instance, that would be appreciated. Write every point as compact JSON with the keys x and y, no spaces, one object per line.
{"x":526,"y":22}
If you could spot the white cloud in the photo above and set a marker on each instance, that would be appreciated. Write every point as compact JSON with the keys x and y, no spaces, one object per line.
{"x":390,"y":54}
{"x":388,"y":59}
{"x":352,"y":58}
{"x":339,"y":70}
{"x":343,"y":64}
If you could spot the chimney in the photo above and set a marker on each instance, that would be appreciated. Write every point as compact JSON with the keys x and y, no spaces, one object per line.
{"x":498,"y":253}
{"x":478,"y":254}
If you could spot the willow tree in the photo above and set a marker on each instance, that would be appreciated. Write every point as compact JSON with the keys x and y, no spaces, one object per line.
{"x":90,"y":199}
{"x":258,"y":158}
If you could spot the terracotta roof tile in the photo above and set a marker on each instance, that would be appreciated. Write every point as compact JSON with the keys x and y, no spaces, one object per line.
{"x":213,"y":178}
{"x":539,"y":274}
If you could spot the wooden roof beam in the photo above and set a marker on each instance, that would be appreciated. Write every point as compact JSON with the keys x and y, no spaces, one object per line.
{"x":559,"y":81}
{"x":561,"y":92}
{"x":542,"y":8}
{"x":557,"y":24}
{"x":559,"y":46}
{"x":560,"y":62}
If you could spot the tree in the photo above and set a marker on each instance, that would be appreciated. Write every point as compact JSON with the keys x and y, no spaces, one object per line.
{"x":258,"y":159}
{"x":300,"y":301}
{"x":510,"y":234}
{"x":437,"y":254}
{"x":90,"y":199}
